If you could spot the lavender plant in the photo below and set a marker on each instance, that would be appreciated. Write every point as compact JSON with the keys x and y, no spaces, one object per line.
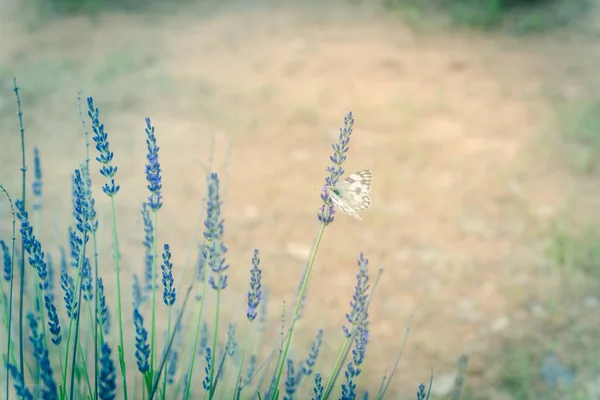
{"x":70,"y":354}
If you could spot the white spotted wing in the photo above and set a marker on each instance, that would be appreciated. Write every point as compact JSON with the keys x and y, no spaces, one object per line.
{"x":351,"y":194}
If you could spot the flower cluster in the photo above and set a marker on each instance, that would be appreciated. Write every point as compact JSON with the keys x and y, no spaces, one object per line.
{"x":359,"y":331}
{"x":53,"y":321}
{"x":105,"y":158}
{"x":37,"y":184}
{"x":215,"y":250}
{"x":103,"y":311}
{"x":31,"y":245}
{"x":49,"y":389}
{"x":7,"y":264}
{"x":20,"y":389}
{"x":148,"y":256}
{"x":142,"y":348}
{"x":153,"y":169}
{"x":335,"y":170}
{"x":255,"y":292}
{"x":68,"y":286}
{"x":169,"y":294}
{"x":207,"y":369}
{"x":108,"y":375}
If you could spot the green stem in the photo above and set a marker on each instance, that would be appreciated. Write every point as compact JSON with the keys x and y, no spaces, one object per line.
{"x":79,"y":308}
{"x":23,"y":197}
{"x":239,"y":376}
{"x":198,"y":325}
{"x":214,"y":346}
{"x":121,"y":349}
{"x":343,"y":355}
{"x":9,"y":341}
{"x":297,"y":310}
{"x":164,"y":391}
{"x":153,"y":323}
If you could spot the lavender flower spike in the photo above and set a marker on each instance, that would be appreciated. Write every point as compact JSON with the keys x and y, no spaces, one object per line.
{"x":169,"y":294}
{"x":32,"y":246}
{"x":255,"y":292}
{"x":108,"y":375}
{"x":7,"y":270}
{"x":37,"y":184}
{"x":142,"y":348}
{"x":105,"y":158}
{"x":153,"y":169}
{"x":358,"y":306}
{"x":335,"y":170}
{"x":215,"y":249}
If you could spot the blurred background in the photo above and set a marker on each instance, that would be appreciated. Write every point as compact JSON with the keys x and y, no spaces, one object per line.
{"x":480,"y":120}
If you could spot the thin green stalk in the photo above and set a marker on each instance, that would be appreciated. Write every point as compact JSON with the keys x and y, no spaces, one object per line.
{"x":338,"y":363}
{"x":85,"y":373}
{"x":239,"y":376}
{"x":153,"y":323}
{"x":201,"y":211}
{"x":214,"y":346}
{"x":79,"y":309}
{"x":12,"y":279}
{"x":343,"y":355}
{"x":45,"y":329}
{"x":23,"y":197}
{"x":198,"y":325}
{"x":164,"y":386}
{"x":297,"y":309}
{"x":168,"y":347}
{"x":121,"y":348}
{"x":95,"y":242}
{"x":96,"y":307}
{"x":93,"y":325}
{"x":384,"y":388}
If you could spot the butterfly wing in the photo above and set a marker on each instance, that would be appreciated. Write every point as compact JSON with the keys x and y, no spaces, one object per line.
{"x":351,"y":194}
{"x":358,"y":182}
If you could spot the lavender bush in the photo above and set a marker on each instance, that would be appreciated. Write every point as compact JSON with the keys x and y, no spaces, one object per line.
{"x":71,"y":345}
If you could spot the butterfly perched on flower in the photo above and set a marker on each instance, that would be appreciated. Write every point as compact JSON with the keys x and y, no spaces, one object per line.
{"x":351,"y":194}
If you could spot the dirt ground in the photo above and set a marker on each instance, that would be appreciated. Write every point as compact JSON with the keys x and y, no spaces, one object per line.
{"x":458,"y":128}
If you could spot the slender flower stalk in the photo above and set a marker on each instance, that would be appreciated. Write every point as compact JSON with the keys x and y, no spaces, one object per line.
{"x":98,"y":339}
{"x":307,"y":367}
{"x":36,"y":258}
{"x":169,"y":297}
{"x":357,"y":332}
{"x":229,"y":351}
{"x":110,"y":188}
{"x":325,"y":217}
{"x":212,"y":258}
{"x":79,"y":239}
{"x":154,"y":179}
{"x":148,"y":256}
{"x":8,"y":274}
{"x":215,"y":256}
{"x":254,"y":296}
{"x":22,"y":260}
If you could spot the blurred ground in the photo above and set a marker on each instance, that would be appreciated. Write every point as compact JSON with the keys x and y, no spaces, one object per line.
{"x":459,"y":128}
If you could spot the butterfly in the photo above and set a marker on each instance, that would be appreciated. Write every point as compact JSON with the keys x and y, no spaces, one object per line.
{"x":352,"y":193}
